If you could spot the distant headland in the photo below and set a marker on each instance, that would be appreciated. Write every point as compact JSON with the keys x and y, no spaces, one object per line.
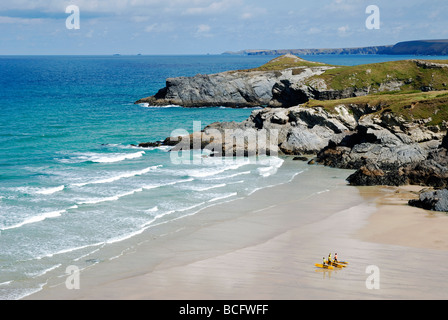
{"x":417,"y":47}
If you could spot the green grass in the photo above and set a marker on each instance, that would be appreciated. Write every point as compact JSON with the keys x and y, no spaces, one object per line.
{"x":373,"y":75}
{"x":439,"y":61}
{"x":409,"y":102}
{"x":286,"y":62}
{"x":409,"y":105}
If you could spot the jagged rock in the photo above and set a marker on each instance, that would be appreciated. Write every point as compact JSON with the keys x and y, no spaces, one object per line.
{"x":286,"y":95}
{"x":150,"y":144}
{"x":245,"y":88}
{"x":339,"y":138}
{"x":302,"y":158}
{"x":445,"y":142}
{"x":440,"y":156}
{"x":427,"y":173}
{"x":372,"y":174}
{"x":229,"y":89}
{"x":432,"y":200}
{"x":382,"y":146}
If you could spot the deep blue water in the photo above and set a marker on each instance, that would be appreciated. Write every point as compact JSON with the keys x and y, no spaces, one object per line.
{"x":66,"y":128}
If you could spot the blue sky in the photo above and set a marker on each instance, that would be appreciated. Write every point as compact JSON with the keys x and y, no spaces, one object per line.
{"x":209,"y":26}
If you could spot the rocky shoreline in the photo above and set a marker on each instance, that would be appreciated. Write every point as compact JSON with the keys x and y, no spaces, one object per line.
{"x":235,"y":89}
{"x":387,"y":139}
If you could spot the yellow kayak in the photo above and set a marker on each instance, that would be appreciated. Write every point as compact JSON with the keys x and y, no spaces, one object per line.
{"x":323,"y":266}
{"x":340,"y":266}
{"x":336,"y":264}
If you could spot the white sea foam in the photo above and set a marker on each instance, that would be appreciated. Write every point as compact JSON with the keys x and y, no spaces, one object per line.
{"x":115,"y":157}
{"x":87,"y":254}
{"x":111,"y":198}
{"x":275,"y":163}
{"x":154,"y":186}
{"x":178,"y":181}
{"x":229,"y":176}
{"x":147,"y":105}
{"x":68,"y":250}
{"x":253,"y":191}
{"x":103,"y":157}
{"x":43,"y":272}
{"x":162,"y":148}
{"x":125,"y":236}
{"x":34,"y":219}
{"x":35,"y":190}
{"x":207,"y":172}
{"x":200,"y":189}
{"x":160,"y":215}
{"x":119,"y":176}
{"x":191,"y":207}
{"x":139,"y":231}
{"x":50,"y":190}
{"x":223,"y":197}
{"x":154,"y":209}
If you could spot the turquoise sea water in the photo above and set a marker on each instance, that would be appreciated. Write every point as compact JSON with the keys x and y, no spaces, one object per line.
{"x":70,"y":180}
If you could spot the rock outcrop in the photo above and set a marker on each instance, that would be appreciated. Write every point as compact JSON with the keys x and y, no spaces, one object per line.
{"x":430,"y":171}
{"x":244,"y":88}
{"x":230,"y":89}
{"x":389,"y":139}
{"x":288,"y":81}
{"x":384,"y":150}
{"x":445,"y":143}
{"x":436,"y":200}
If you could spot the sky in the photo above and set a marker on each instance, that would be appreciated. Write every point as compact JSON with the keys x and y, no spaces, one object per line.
{"x":211,"y":26}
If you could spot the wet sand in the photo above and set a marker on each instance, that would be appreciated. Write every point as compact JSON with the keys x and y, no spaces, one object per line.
{"x":265,"y":247}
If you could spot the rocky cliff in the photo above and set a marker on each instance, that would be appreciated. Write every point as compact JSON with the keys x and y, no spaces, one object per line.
{"x":418,"y":47}
{"x":243,"y":88}
{"x":288,"y":81}
{"x":390,"y":137}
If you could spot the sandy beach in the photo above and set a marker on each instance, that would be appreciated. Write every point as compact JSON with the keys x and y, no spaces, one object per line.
{"x":265,"y":247}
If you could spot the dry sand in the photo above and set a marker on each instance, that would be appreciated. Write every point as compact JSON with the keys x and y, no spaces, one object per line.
{"x":265,"y":247}
{"x":394,"y":222}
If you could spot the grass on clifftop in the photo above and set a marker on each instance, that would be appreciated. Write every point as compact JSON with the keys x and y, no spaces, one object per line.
{"x":372,"y":76}
{"x":286,"y":61}
{"x":410,"y":105}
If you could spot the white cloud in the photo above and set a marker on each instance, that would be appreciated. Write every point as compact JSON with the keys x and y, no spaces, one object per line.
{"x":14,"y":20}
{"x":140,"y":18}
{"x":99,"y":6}
{"x":203,"y":28}
{"x":90,"y":33}
{"x":246,"y":16}
{"x":252,"y":13}
{"x":151,"y":28}
{"x":203,"y":31}
{"x":346,"y":7}
{"x":159,"y":27}
{"x":313,"y":30}
{"x":216,"y":7}
{"x":343,"y":30}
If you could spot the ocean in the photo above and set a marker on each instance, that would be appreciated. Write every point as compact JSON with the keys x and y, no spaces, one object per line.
{"x":72,"y":181}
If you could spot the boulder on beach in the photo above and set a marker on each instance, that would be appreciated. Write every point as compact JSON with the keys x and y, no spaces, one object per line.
{"x":436,"y":200}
